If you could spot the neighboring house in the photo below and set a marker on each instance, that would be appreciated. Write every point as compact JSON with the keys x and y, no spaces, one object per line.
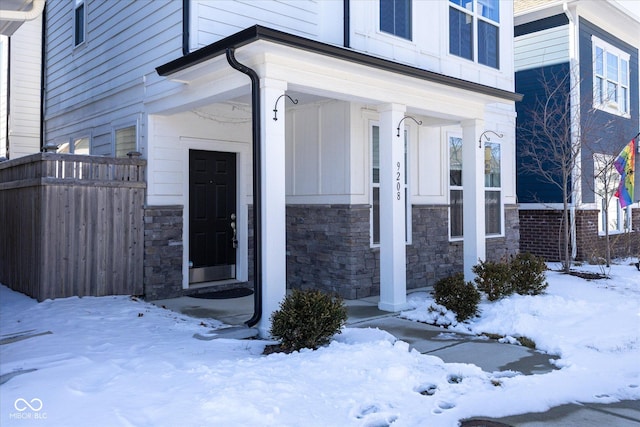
{"x":383,"y":131}
{"x":20,"y":77}
{"x":588,"y":52}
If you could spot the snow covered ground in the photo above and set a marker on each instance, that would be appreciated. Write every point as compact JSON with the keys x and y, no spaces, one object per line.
{"x":118,"y":361}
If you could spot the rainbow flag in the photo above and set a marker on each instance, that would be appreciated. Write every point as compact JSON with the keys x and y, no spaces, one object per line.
{"x":625,"y":164}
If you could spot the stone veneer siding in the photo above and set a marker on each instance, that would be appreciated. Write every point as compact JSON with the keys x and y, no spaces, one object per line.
{"x":328,"y":247}
{"x":540,"y":234}
{"x":162,"y":252}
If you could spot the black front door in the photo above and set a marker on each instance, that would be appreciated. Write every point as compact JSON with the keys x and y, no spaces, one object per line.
{"x":212,"y":216}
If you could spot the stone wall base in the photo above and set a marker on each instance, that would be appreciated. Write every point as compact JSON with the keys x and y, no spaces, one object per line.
{"x":162,"y":252}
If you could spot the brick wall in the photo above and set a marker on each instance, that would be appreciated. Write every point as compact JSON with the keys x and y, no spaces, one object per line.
{"x":541,"y":234}
{"x":162,"y":252}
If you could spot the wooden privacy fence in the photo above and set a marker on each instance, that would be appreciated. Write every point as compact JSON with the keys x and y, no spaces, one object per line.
{"x":72,"y":225}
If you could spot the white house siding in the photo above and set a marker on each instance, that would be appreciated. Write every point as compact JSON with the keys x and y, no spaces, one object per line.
{"x":22,"y":82}
{"x":542,"y":48}
{"x":99,"y":84}
{"x":319,"y":20}
{"x":429,"y":46}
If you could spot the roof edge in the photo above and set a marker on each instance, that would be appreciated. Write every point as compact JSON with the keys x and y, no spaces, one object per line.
{"x":258,"y":32}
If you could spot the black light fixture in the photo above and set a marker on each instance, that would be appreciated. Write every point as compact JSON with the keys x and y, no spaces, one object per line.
{"x":499,"y":135}
{"x":419,"y":122}
{"x":275,"y":107}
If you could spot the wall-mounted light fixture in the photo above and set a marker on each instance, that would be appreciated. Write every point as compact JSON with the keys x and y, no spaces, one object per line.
{"x":419,"y":122}
{"x":275,"y":107}
{"x":499,"y":135}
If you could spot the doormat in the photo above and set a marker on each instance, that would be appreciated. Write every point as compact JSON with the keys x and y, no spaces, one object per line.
{"x":225,"y":294}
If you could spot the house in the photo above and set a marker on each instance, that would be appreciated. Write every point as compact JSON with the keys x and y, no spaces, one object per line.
{"x":359,"y":147}
{"x":586,"y":53}
{"x":20,"y":77}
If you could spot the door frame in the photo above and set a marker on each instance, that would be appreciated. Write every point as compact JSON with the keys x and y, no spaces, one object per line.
{"x":243,"y":197}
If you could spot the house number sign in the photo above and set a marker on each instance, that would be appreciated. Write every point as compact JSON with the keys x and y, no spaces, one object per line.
{"x":398,"y":184}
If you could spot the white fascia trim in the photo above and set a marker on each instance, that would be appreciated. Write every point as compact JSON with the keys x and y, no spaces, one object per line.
{"x":37,"y":6}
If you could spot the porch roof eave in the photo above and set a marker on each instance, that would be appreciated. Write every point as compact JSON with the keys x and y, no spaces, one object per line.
{"x":257,"y":32}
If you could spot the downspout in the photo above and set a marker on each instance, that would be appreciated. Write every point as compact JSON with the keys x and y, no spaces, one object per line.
{"x":346,"y":11}
{"x":186,"y":23}
{"x":257,"y":182}
{"x":42,"y":75}
{"x":8,"y":115}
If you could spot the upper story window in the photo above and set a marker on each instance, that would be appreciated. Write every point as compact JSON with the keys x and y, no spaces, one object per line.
{"x":474,"y":30}
{"x":610,"y":78}
{"x":76,"y":146}
{"x":79,"y":19}
{"x":395,"y":17}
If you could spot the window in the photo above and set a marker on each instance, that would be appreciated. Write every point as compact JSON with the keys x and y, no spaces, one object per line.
{"x":611,"y":217}
{"x":79,"y":22}
{"x":455,"y":187}
{"x":610,"y":78}
{"x":75,"y":146}
{"x":125,"y":140}
{"x":395,"y":17}
{"x":474,"y":30}
{"x":375,"y":188}
{"x":492,"y":185}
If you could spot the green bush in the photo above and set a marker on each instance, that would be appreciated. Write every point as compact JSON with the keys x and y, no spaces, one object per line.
{"x":494,"y":279}
{"x":458,"y":296}
{"x":528,"y":275}
{"x":307,"y":319}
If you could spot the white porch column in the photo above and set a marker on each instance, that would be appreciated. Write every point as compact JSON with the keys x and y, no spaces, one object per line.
{"x":272,"y":146}
{"x":393,"y":257}
{"x":472,"y":196}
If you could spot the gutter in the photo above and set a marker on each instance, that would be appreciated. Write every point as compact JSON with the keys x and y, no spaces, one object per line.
{"x":37,"y":6}
{"x":258,"y":32}
{"x":257,"y":182}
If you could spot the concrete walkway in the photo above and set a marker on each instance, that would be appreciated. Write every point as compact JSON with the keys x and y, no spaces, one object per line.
{"x":489,"y":355}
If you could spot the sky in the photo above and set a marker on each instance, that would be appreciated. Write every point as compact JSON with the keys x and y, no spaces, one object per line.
{"x":119,"y":361}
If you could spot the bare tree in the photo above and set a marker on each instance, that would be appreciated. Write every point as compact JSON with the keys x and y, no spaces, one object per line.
{"x":557,"y":130}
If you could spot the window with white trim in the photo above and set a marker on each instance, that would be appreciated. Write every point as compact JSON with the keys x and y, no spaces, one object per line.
{"x":474,"y":30}
{"x":76,"y":146}
{"x":611,"y":217}
{"x":395,"y":17}
{"x":79,"y":20}
{"x":492,"y":189}
{"x":126,"y":140}
{"x":610,"y":78}
{"x":455,"y":187}
{"x":375,"y":187}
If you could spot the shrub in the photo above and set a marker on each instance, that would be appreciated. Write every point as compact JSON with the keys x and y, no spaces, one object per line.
{"x":307,"y":319}
{"x":528,"y":274}
{"x":458,"y":296}
{"x":493,"y":278}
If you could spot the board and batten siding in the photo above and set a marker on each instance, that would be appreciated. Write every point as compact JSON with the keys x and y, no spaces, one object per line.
{"x":98,"y":84}
{"x":542,"y":48}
